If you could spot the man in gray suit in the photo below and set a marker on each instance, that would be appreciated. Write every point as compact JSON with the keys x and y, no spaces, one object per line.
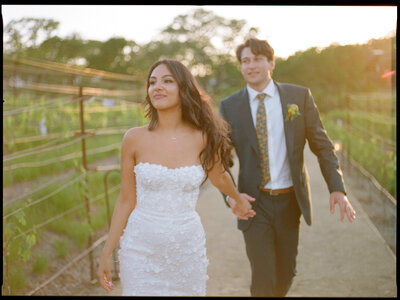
{"x":270,"y":124}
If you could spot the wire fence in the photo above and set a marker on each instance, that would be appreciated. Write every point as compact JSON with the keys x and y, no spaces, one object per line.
{"x":40,"y":151}
{"x":368,"y":135}
{"x":368,"y":153}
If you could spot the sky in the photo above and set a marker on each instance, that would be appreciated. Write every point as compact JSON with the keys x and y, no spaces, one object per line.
{"x":287,"y":28}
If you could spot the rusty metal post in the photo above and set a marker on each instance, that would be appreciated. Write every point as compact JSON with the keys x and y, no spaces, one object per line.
{"x":6,"y":287}
{"x":84,"y":162}
{"x":109,"y":218}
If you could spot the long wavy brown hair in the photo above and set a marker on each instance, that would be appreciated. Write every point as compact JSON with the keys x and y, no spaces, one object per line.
{"x":196,"y":110}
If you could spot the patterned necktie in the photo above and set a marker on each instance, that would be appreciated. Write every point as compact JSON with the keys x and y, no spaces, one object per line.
{"x":262,"y":137}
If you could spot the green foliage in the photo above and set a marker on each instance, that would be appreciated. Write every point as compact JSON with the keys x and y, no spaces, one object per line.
{"x":15,"y":225}
{"x":24,"y":33}
{"x":40,"y":264}
{"x":16,"y":279}
{"x":362,"y":143}
{"x":61,"y":247}
{"x":59,"y":226}
{"x":79,"y":232}
{"x":335,"y":71}
{"x":18,"y":251}
{"x":60,"y":122}
{"x":366,"y":122}
{"x":189,"y":38}
{"x":330,"y":73}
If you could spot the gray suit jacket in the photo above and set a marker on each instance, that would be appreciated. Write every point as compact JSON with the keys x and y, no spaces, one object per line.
{"x":236,"y":111}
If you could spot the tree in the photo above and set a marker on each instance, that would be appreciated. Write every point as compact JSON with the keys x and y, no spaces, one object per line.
{"x":108,"y":56}
{"x":205,"y":43}
{"x":27,"y":32}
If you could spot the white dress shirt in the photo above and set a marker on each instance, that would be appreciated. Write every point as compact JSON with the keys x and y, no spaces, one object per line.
{"x":277,"y":152}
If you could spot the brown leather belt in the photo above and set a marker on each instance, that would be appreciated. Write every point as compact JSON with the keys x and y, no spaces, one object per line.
{"x":278,"y":191}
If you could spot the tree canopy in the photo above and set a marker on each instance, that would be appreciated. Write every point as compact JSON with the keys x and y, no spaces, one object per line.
{"x":205,"y":42}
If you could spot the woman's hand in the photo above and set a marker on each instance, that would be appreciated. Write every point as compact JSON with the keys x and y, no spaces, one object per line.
{"x":242,"y":209}
{"x":104,"y":273}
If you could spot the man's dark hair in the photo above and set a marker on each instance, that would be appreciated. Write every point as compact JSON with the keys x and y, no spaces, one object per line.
{"x":258,"y":47}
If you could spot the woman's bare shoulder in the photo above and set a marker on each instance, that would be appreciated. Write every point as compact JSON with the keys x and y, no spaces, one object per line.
{"x":134,"y":135}
{"x":136,"y":132}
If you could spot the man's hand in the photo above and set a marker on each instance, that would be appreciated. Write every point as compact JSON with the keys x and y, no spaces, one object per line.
{"x":344,"y":206}
{"x":235,"y":209}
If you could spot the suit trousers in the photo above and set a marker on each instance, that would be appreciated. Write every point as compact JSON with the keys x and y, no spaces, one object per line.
{"x":271,"y":244}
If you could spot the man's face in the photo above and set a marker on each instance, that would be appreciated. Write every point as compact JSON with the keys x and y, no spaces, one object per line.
{"x":256,"y":69}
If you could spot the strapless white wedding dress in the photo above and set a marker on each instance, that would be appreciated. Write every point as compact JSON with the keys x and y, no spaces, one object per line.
{"x":162,"y":249}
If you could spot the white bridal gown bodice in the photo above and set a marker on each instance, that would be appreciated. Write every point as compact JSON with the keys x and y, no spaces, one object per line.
{"x":162,"y":250}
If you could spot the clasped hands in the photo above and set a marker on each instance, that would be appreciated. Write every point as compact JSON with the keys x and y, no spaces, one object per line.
{"x":242,"y":210}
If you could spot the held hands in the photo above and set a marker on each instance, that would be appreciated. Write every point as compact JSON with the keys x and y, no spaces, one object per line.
{"x":104,"y":273}
{"x":344,"y":206}
{"x":242,"y":209}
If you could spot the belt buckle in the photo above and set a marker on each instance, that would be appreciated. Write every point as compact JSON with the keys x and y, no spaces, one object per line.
{"x":271,"y":193}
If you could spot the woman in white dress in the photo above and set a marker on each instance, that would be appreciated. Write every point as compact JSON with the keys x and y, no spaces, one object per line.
{"x":162,"y":242}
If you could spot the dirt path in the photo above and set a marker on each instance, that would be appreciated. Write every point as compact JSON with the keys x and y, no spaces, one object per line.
{"x":335,"y":259}
{"x":341,"y":259}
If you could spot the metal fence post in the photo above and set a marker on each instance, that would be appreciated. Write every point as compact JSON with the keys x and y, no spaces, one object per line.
{"x":84,"y":162}
{"x":6,"y":287}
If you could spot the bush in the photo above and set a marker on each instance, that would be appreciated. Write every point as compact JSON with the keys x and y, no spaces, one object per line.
{"x":61,"y":246}
{"x":40,"y":264}
{"x":16,"y":279}
{"x":79,"y":232}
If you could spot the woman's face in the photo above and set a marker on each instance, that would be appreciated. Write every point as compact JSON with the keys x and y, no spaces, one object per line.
{"x":163,"y":89}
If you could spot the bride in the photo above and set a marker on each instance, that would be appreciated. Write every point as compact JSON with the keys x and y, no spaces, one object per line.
{"x":162,"y":241}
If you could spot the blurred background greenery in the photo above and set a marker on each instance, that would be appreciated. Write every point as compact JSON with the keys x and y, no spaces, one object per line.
{"x":330,"y":72}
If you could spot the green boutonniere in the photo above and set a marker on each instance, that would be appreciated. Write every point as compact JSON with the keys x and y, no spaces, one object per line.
{"x":292,"y":113}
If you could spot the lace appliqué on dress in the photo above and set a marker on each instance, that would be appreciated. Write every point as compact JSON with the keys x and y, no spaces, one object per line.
{"x":162,"y":250}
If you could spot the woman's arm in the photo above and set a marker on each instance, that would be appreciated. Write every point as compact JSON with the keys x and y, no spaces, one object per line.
{"x":125,"y":204}
{"x":221,"y":179}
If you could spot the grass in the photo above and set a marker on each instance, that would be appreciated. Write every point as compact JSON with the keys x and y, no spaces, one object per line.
{"x":16,"y":280}
{"x":61,"y":247}
{"x":60,"y":121}
{"x":378,"y":124}
{"x":40,"y":264}
{"x":74,"y":226}
{"x":378,"y":160}
{"x":368,"y":130}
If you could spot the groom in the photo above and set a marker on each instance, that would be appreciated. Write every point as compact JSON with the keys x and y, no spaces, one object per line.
{"x":270,"y":124}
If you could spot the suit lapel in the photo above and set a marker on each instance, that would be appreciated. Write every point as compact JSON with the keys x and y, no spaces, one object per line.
{"x":246,"y":119}
{"x":288,"y":126}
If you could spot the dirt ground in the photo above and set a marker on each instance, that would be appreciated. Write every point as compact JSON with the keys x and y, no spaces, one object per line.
{"x":335,"y":259}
